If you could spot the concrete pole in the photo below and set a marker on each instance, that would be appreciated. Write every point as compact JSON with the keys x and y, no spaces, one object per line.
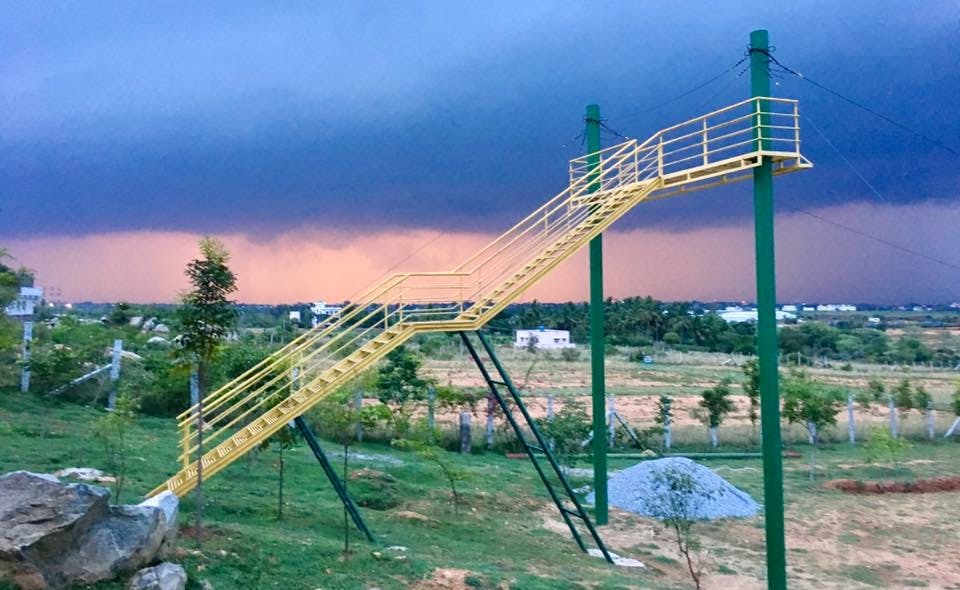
{"x":767,"y":326}
{"x":431,"y":408}
{"x":892,"y":417}
{"x":25,"y":357}
{"x":851,"y":420}
{"x":611,"y":418}
{"x":357,"y":406}
{"x":114,"y":373}
{"x":931,"y":421}
{"x":466,"y":437}
{"x":597,"y":346}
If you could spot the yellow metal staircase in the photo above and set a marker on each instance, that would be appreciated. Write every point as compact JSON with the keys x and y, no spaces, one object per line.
{"x":717,"y":148}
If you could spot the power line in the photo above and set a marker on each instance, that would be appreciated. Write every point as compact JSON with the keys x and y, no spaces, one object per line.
{"x":855,"y":103}
{"x":874,"y":238}
{"x":700,"y":86}
{"x":849,"y":164}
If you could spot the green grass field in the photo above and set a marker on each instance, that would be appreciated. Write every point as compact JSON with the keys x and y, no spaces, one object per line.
{"x":506,"y":534}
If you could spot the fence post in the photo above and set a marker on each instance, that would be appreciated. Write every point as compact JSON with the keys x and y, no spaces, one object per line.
{"x":466,"y":437}
{"x":114,"y":372}
{"x":25,"y":358}
{"x":488,"y":429}
{"x":431,"y":408}
{"x":194,"y":386}
{"x":892,"y":415}
{"x":931,"y":421}
{"x":611,"y":418}
{"x":551,"y":443}
{"x":851,"y":421}
{"x":357,"y":405}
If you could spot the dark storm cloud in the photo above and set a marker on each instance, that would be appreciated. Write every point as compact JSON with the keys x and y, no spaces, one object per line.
{"x":238,"y":117}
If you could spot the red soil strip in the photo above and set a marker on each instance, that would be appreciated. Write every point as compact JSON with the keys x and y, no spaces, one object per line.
{"x":921,"y":486}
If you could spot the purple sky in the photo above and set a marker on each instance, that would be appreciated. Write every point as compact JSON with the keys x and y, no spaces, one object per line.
{"x":377,"y":117}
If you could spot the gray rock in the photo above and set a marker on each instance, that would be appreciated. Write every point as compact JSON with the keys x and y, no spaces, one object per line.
{"x":136,"y":321}
{"x":53,"y":534}
{"x":166,"y":576}
{"x":125,"y":540}
{"x":85,"y":474}
{"x":161,"y":329}
{"x":169,"y":504}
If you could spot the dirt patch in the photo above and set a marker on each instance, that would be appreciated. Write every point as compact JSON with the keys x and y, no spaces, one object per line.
{"x":444,"y":579}
{"x":920,"y":486}
{"x":411,"y":515}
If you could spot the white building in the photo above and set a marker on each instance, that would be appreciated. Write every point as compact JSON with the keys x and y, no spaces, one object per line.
{"x":23,"y":305}
{"x":320,"y":308}
{"x":294,"y":316}
{"x":543,"y":339}
{"x":836,"y":307}
{"x":789,"y":308}
{"x":734,"y":317}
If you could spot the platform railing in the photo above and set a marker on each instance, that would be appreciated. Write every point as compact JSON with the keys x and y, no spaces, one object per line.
{"x":686,"y":152}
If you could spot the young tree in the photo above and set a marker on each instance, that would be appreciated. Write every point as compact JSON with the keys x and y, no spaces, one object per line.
{"x":675,"y":501}
{"x":112,"y":429}
{"x":206,"y":317}
{"x":337,"y":418}
{"x":751,"y":370}
{"x":903,"y":396}
{"x":883,"y":445}
{"x":568,"y":429}
{"x":283,"y":439}
{"x":399,"y":386}
{"x":808,"y":403}
{"x":716,"y":404}
{"x":664,"y":418}
{"x":425,"y":442}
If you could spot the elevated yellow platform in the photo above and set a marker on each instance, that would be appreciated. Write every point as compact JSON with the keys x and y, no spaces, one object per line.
{"x":717,"y":148}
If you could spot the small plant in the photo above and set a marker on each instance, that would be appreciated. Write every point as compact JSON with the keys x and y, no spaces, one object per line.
{"x":716,"y":404}
{"x":751,"y":370}
{"x":570,"y":354}
{"x":664,"y":418}
{"x":810,"y":404}
{"x":568,"y":429}
{"x":882,"y":445}
{"x":400,"y":387}
{"x":675,"y":502}
{"x":955,"y":402}
{"x":903,"y":396}
{"x":338,"y":419}
{"x":112,"y":429}
{"x":426,"y":446}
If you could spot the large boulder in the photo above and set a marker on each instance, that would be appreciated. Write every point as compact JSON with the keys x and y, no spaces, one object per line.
{"x":52,"y":534}
{"x":166,"y":576}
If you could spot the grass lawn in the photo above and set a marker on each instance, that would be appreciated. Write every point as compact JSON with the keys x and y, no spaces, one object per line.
{"x":506,"y":533}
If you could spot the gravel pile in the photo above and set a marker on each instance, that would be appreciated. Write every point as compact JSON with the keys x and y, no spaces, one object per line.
{"x":644,"y":489}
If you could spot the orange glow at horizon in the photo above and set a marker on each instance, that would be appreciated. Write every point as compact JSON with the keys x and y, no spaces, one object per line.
{"x":716,"y":263}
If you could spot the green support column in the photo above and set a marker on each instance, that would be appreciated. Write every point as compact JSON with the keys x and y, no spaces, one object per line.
{"x":767,"y":329}
{"x":597,"y":348}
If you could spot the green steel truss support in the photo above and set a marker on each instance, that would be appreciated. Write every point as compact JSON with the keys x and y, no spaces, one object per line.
{"x":536,"y":449}
{"x":597,"y":341}
{"x":766,"y":320}
{"x":338,"y":486}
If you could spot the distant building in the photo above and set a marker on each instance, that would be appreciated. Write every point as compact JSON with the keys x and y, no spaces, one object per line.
{"x":23,"y":306}
{"x":321,"y":311}
{"x":789,"y":308}
{"x":295,"y":316}
{"x":735,"y":317}
{"x":543,"y":339}
{"x":836,"y":307}
{"x":873,"y":320}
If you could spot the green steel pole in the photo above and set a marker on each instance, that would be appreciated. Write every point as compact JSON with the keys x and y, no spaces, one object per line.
{"x":597,"y":350}
{"x":767,"y":325}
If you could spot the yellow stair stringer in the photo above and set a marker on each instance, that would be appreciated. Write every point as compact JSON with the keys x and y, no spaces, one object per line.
{"x":277,"y":417}
{"x":615,"y":204}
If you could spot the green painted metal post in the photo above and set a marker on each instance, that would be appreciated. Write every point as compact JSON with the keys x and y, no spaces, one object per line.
{"x":597,"y":348}
{"x":767,"y":326}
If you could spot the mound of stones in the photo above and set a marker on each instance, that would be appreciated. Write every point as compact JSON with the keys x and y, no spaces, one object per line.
{"x":677,"y":487}
{"x":53,"y":535}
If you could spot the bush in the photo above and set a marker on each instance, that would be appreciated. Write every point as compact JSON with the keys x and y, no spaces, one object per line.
{"x":570,"y":354}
